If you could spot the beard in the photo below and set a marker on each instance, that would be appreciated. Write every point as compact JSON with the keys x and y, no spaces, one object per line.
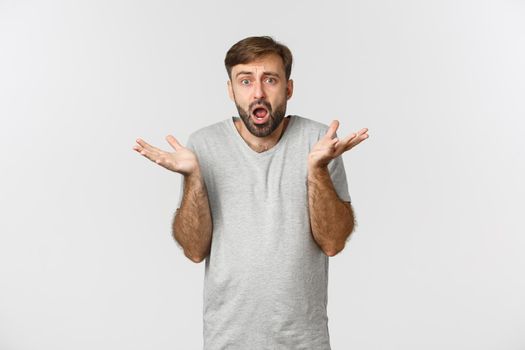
{"x":276,"y":116}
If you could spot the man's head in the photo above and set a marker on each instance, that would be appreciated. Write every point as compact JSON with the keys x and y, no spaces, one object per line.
{"x":259,"y":69}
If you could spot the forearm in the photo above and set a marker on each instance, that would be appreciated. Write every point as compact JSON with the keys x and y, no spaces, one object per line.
{"x":192,"y":225}
{"x":331,"y":219}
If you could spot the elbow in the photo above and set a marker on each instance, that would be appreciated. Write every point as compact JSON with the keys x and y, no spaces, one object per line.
{"x":197,"y":255}
{"x":334,"y":249}
{"x":196,"y":258}
{"x":335,"y":246}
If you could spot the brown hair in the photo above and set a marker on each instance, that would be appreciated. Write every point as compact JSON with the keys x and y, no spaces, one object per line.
{"x":254,"y":47}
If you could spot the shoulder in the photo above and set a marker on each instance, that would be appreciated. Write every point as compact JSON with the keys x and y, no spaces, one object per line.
{"x":209,"y":133}
{"x":311,"y":126}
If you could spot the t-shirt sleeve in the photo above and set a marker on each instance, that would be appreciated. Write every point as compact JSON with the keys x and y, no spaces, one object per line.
{"x":337,"y":172}
{"x":189,"y":144}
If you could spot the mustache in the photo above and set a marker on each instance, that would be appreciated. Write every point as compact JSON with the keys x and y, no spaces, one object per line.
{"x":260,"y":102}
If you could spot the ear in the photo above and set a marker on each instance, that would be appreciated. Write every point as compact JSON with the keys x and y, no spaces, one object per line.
{"x":289,"y":89}
{"x":230,"y":90}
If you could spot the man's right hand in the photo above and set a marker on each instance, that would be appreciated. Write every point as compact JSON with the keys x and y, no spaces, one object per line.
{"x":182,"y":161}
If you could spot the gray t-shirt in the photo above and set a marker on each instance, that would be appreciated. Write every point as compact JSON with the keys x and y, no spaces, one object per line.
{"x":265,"y":283}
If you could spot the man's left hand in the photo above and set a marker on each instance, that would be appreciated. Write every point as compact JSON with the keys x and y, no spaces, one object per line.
{"x":330,"y":147}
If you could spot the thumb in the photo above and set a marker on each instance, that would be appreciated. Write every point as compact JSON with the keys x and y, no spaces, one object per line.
{"x":331,"y":132}
{"x":173,"y":142}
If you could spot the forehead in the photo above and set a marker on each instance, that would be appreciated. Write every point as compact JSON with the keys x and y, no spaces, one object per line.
{"x":265,"y":63}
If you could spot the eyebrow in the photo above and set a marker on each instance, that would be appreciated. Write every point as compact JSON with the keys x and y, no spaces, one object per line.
{"x":268,"y":73}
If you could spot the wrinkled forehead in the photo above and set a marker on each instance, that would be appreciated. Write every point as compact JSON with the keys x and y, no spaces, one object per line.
{"x":269,"y":64}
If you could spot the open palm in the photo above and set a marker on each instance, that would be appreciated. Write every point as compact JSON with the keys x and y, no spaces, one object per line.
{"x":330,"y":147}
{"x":182,"y":161}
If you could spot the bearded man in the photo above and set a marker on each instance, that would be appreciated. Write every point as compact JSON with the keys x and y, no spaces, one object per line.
{"x":264,"y":200}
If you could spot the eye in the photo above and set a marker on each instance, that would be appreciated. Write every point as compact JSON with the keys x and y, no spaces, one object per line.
{"x":270,"y":80}
{"x":245,"y":82}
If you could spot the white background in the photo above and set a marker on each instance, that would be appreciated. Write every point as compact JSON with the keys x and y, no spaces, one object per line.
{"x":86,"y":255}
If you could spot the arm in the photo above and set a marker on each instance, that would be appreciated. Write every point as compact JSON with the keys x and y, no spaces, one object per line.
{"x":192,"y":224}
{"x":331,"y":219}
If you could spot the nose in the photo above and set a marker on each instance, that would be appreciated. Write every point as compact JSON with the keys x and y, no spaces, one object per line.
{"x":258,"y":92}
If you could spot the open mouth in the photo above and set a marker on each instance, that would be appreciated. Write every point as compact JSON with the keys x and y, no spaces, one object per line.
{"x":260,"y":115}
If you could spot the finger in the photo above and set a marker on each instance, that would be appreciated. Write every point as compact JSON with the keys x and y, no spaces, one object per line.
{"x":147,"y":146}
{"x":330,"y":133}
{"x":358,"y":135}
{"x":361,"y":135}
{"x":363,"y":131}
{"x":138,"y":148}
{"x":349,"y":138}
{"x":174,"y":142}
{"x":357,"y":140}
{"x":151,"y":155}
{"x":343,"y":143}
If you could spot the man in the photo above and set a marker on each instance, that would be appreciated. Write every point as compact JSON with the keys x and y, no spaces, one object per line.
{"x":265,"y":201}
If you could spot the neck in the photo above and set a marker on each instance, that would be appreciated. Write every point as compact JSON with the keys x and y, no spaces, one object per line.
{"x":261,"y":144}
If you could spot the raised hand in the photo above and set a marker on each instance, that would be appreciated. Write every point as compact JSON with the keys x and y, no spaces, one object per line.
{"x":182,"y":161}
{"x":330,"y":147}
